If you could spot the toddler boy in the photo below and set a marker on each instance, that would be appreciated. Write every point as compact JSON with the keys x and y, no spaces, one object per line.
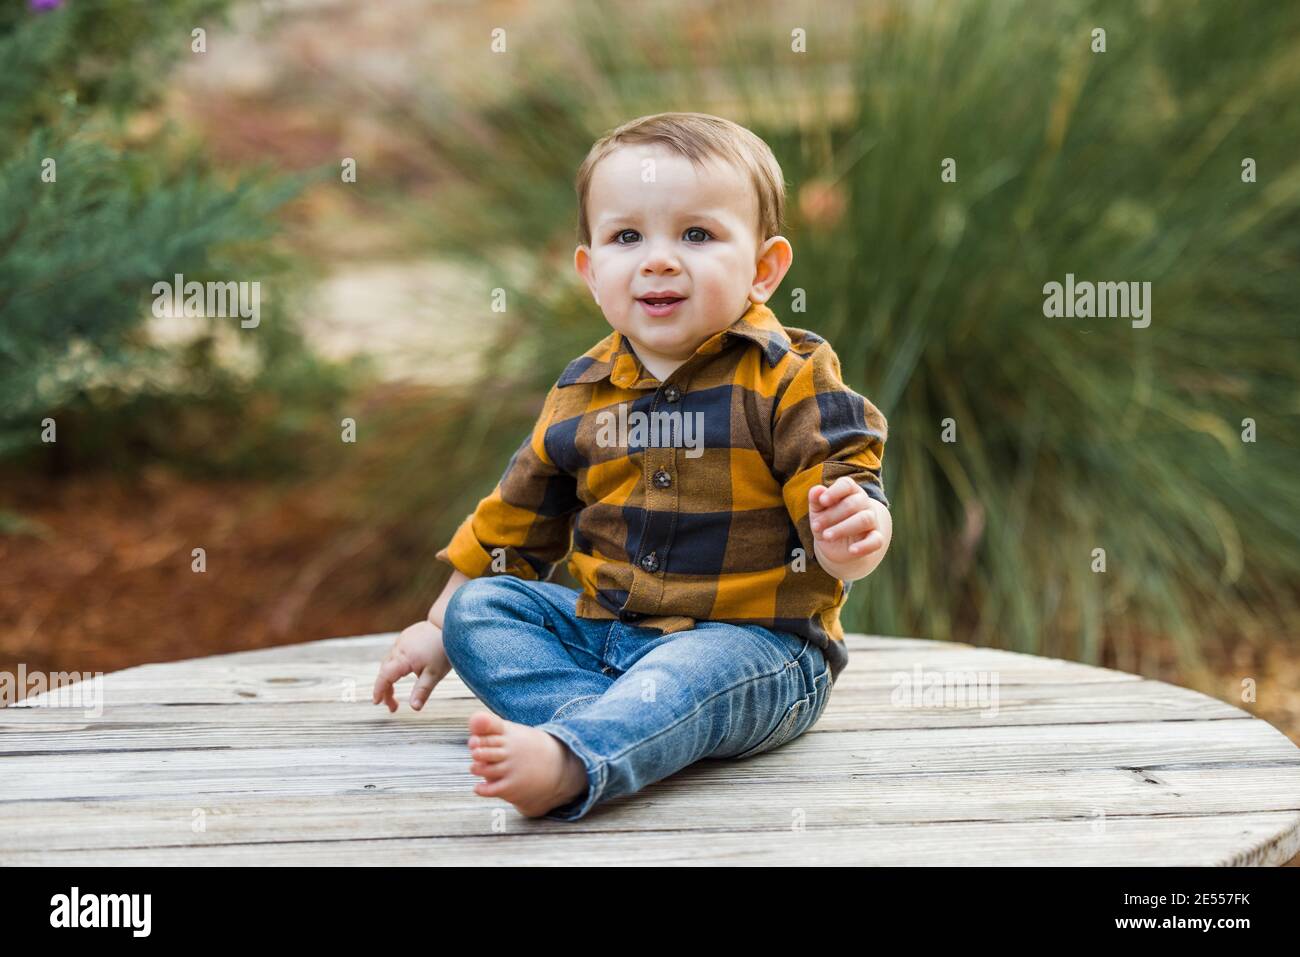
{"x":713,"y":482}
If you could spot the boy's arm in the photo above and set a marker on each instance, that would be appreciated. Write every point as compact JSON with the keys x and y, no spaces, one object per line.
{"x":524,"y":526}
{"x":457,"y":579}
{"x":825,"y":434}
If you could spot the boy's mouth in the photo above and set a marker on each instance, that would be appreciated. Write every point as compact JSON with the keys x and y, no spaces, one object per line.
{"x":660,"y":305}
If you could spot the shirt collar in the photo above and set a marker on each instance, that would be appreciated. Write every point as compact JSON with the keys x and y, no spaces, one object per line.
{"x":613,"y":358}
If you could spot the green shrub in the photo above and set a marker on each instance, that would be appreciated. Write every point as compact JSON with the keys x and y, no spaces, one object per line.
{"x":79,"y":256}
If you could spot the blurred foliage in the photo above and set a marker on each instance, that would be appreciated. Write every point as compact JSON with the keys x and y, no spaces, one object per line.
{"x":1072,"y":434}
{"x":79,"y":256}
{"x":109,"y":54}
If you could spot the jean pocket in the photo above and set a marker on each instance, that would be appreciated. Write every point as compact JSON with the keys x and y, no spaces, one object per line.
{"x":799,"y":717}
{"x":822,"y":692}
{"x":783,"y":731}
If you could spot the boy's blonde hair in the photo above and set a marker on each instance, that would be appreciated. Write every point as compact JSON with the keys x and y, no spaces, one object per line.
{"x":696,"y":136}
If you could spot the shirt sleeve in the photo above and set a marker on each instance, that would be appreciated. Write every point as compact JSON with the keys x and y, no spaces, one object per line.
{"x":824,"y":430}
{"x":524,"y":526}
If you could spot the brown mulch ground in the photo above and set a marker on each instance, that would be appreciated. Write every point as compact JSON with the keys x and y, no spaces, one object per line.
{"x":110,"y":583}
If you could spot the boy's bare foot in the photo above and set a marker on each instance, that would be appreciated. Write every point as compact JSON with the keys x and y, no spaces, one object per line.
{"x":531,"y":769}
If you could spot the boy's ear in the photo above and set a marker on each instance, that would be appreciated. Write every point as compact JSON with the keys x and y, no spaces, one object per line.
{"x":773,"y":262}
{"x":582,"y":263}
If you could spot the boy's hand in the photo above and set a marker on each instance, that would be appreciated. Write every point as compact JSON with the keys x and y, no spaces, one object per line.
{"x":418,"y":650}
{"x":845,"y":522}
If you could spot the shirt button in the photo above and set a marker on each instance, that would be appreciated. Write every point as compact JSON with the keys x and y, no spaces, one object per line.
{"x":672,"y":393}
{"x":663,"y":479}
{"x":650,"y":563}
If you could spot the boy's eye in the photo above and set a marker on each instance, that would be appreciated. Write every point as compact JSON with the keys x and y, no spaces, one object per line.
{"x":704,"y":234}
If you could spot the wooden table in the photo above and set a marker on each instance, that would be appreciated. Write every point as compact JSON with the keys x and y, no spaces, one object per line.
{"x":277,"y":756}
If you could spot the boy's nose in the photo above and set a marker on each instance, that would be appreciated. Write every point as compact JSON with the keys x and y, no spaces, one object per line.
{"x":660,"y":258}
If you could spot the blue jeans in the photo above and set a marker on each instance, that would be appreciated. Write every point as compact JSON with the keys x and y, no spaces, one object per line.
{"x":633,"y":704}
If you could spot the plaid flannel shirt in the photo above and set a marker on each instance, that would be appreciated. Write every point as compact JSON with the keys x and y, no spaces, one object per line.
{"x":703,"y":516}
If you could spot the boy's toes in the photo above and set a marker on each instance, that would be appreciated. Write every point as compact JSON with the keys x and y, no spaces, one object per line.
{"x":488,"y":755}
{"x":489,"y":788}
{"x":483,"y":723}
{"x":490,"y":772}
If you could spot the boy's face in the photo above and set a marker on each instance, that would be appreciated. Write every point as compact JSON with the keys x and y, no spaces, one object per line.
{"x":687,"y":232}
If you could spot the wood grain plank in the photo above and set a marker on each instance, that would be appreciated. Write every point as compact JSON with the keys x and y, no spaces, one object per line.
{"x":699,"y":799}
{"x":442,"y":757}
{"x":144,"y":727}
{"x":1221,"y":839}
